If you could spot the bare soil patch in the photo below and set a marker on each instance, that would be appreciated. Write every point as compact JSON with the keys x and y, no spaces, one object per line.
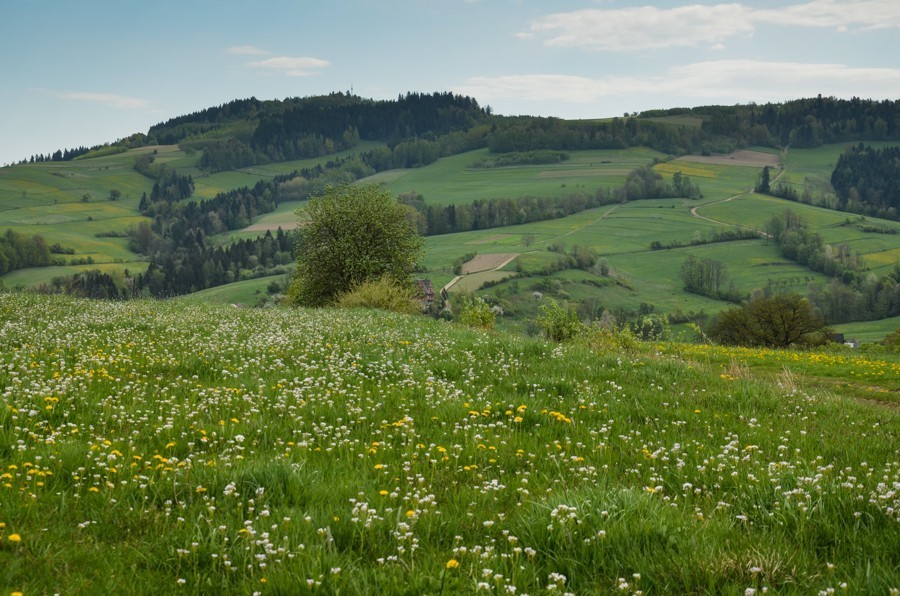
{"x":741,"y":157}
{"x":488,"y":262}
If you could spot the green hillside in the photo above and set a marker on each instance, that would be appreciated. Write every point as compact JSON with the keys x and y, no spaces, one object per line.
{"x":151,"y":446}
{"x":230,"y":174}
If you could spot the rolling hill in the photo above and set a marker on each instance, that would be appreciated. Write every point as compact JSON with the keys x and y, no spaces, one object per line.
{"x":439,"y":155}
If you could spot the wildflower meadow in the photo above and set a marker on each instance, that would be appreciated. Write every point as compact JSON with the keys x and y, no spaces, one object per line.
{"x":165,"y":447}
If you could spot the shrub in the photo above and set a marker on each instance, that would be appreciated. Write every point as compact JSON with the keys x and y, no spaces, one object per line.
{"x":559,"y":322}
{"x":477,"y":313}
{"x":383,"y":294}
{"x":892,"y":341}
{"x":611,"y":339}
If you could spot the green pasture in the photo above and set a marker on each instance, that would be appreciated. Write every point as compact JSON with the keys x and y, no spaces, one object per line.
{"x":53,"y":183}
{"x":716,"y":181}
{"x":284,"y":216}
{"x":868,"y":331}
{"x":453,"y":180}
{"x":880,"y":251}
{"x":207,"y":186}
{"x":816,"y":164}
{"x":473,"y":281}
{"x":247,"y":292}
{"x":35,"y":276}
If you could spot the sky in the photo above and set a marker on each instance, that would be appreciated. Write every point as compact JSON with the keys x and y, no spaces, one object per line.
{"x":86,"y":72}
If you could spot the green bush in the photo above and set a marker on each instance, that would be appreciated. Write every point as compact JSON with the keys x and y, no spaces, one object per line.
{"x":383,"y":294}
{"x":611,"y":339}
{"x":892,"y":341}
{"x":477,"y":313}
{"x":560,"y":322}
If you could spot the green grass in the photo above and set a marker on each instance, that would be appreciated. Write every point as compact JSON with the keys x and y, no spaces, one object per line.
{"x":868,"y":331}
{"x":879,"y":251}
{"x":453,"y":180}
{"x":165,"y":446}
{"x":248,"y":292}
{"x":208,"y":186}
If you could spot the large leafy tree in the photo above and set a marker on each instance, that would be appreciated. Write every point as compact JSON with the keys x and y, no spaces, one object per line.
{"x":351,"y":235}
{"x":777,"y":322}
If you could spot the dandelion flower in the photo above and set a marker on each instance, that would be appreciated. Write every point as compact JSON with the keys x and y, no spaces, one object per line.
{"x":452,"y":564}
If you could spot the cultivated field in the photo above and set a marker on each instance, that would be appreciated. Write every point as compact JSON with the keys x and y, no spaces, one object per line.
{"x":151,"y":447}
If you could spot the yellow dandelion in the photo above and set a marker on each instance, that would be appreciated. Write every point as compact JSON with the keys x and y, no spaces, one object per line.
{"x":452,"y":564}
{"x":14,"y":538}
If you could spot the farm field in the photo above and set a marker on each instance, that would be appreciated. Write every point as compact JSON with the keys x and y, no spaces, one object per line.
{"x":453,"y":180}
{"x":167,"y":446}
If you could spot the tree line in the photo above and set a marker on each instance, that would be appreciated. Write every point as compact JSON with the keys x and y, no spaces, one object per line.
{"x":852,"y":294}
{"x":19,"y":251}
{"x":641,"y":183}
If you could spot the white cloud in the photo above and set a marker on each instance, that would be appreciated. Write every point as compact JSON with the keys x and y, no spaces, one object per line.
{"x":651,"y":28}
{"x":291,"y":66}
{"x":837,"y":14}
{"x":246,"y":51}
{"x":721,"y":81}
{"x":108,"y":99}
{"x":644,"y":27}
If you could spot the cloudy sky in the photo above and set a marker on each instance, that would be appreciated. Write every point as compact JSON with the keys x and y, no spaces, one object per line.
{"x":90,"y":71}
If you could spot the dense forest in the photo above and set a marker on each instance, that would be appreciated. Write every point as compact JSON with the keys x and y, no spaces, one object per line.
{"x":867,"y":180}
{"x":801,"y":123}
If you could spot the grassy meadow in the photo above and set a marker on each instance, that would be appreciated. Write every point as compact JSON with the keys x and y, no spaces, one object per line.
{"x":172,"y":447}
{"x":453,"y":180}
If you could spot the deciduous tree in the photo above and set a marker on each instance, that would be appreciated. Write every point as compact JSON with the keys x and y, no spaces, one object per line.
{"x":348,"y":236}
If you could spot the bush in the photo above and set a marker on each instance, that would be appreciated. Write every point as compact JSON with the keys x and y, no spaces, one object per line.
{"x":610,"y":339}
{"x":559,"y":322}
{"x":892,"y":341}
{"x":383,"y":294}
{"x":477,"y":313}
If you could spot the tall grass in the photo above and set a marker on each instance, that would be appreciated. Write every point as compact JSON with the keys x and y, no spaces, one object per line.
{"x":164,"y":447}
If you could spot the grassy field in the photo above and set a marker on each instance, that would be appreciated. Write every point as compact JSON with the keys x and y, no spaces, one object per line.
{"x":248,"y":292}
{"x":453,"y":180}
{"x":165,"y":447}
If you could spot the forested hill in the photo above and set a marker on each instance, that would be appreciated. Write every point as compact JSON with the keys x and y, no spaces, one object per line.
{"x":248,"y":131}
{"x":251,"y":131}
{"x":799,"y":123}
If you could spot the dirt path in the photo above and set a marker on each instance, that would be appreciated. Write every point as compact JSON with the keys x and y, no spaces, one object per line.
{"x":725,"y":223}
{"x":590,"y":223}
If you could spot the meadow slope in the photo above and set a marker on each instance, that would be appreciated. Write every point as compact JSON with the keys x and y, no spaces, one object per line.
{"x":163,"y":447}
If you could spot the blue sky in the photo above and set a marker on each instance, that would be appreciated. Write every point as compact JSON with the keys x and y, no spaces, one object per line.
{"x":91,"y":71}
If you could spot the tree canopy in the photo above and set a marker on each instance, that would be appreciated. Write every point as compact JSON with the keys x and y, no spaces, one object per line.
{"x":351,"y":235}
{"x":776,"y":322}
